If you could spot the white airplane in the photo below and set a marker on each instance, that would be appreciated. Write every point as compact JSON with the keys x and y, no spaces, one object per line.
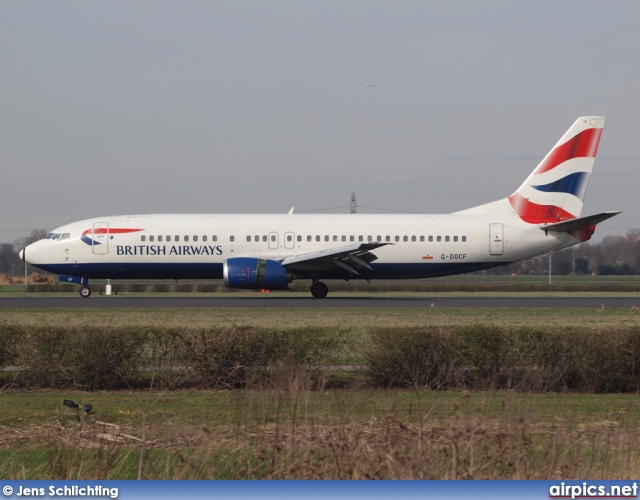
{"x":269,"y":251}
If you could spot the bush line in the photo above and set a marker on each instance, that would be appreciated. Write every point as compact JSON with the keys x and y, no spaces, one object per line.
{"x":436,"y":358}
{"x":517,"y":358}
{"x":91,"y":357}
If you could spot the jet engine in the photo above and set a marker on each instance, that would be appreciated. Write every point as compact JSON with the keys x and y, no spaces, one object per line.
{"x":254,"y":274}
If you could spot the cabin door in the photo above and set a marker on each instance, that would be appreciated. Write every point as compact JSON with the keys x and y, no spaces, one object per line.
{"x":496,"y":239}
{"x":100,"y":238}
{"x":289,"y":240}
{"x":273,"y":241}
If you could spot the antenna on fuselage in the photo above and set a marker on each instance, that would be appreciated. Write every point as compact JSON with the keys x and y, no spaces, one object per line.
{"x":353,"y":203}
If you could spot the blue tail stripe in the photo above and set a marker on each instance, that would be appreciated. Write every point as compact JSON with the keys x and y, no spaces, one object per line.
{"x":574,"y":184}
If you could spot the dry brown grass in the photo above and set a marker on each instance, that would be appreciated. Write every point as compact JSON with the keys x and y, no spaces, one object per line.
{"x":291,"y":432}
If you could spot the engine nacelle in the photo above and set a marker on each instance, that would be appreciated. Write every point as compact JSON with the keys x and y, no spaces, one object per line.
{"x":254,"y":274}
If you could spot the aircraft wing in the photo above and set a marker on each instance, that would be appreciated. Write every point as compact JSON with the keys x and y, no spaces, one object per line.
{"x":348,"y":258}
{"x":579,"y":223}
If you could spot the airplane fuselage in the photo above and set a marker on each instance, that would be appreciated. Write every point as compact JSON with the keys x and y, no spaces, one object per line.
{"x":195,"y":246}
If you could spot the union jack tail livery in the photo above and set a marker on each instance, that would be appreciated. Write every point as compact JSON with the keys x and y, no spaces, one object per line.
{"x":555,"y":190}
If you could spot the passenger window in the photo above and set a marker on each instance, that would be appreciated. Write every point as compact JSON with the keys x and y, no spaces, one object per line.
{"x":464,"y":238}
{"x":204,"y":238}
{"x":422,"y":239}
{"x":256,"y":238}
{"x":309,"y":237}
{"x":326,"y":237}
{"x":455,"y":238}
{"x":264,"y":237}
{"x":318,"y":237}
{"x":160,"y":238}
{"x":177,"y":238}
{"x":352,"y":238}
{"x":273,"y":237}
{"x":379,"y":238}
{"x":405,"y":238}
{"x":369,"y":238}
{"x":299,"y":237}
{"x":430,"y":238}
{"x":248,"y":238}
{"x":360,"y":238}
{"x":413,"y":238}
{"x":289,"y":238}
{"x":232,"y":238}
{"x":168,"y":238}
{"x":335,"y":237}
{"x":446,"y":238}
{"x":439,"y":238}
{"x":214,"y":237}
{"x":344,"y":237}
{"x":195,"y":238}
{"x":151,"y":238}
{"x":397,"y":238}
{"x":143,"y":238}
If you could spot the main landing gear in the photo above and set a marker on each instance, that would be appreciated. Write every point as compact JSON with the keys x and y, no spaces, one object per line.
{"x":85,"y":291}
{"x":319,"y":290}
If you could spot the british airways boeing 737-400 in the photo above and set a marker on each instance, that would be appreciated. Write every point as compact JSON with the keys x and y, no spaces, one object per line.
{"x":269,"y":251}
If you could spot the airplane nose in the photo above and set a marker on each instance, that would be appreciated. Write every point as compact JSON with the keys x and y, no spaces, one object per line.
{"x":30,"y":254}
{"x":21,"y":254}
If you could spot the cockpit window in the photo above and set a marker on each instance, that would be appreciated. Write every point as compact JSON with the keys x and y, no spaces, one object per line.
{"x":58,"y":236}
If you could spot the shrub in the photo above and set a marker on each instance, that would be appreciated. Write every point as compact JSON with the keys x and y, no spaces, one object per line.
{"x":86,"y":357}
{"x":9,"y":336}
{"x":234,"y":357}
{"x":414,"y":357}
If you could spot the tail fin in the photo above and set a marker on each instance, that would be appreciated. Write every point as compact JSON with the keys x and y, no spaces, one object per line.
{"x":555,"y":189}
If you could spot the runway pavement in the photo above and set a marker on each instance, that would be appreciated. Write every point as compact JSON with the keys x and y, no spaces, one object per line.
{"x":97,"y":301}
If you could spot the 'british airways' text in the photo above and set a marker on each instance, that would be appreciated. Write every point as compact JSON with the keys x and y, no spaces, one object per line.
{"x":168,"y":250}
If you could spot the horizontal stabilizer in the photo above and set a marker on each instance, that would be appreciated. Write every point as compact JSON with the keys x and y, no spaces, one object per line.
{"x":579,"y":223}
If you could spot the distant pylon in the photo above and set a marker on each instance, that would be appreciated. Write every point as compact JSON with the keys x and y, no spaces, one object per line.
{"x":353,"y":203}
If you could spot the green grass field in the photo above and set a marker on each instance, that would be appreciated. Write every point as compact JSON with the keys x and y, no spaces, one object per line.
{"x":347,"y":317}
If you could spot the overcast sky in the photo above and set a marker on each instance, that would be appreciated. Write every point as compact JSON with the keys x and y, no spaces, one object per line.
{"x":125,"y":107}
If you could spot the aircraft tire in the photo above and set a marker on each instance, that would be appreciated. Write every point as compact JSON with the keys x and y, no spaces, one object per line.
{"x":319,"y":290}
{"x":85,"y":292}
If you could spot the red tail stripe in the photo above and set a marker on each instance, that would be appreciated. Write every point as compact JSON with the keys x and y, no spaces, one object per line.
{"x":585,"y":144}
{"x":537,"y":214}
